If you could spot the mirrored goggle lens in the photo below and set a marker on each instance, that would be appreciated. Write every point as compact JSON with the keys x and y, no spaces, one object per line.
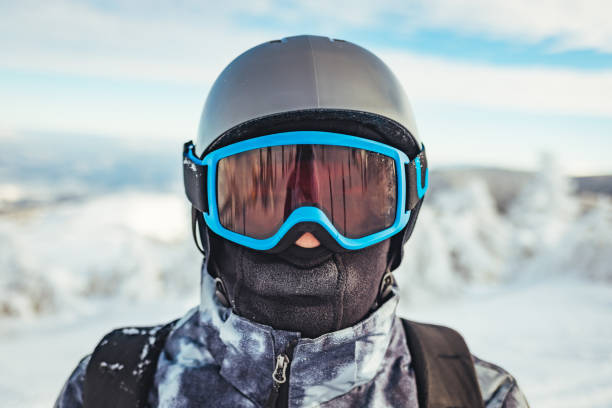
{"x":257,"y":190}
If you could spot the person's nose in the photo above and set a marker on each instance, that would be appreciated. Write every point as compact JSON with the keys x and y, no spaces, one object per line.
{"x":307,"y":240}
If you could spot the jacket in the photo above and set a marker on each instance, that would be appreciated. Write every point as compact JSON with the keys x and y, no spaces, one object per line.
{"x":215,"y":358}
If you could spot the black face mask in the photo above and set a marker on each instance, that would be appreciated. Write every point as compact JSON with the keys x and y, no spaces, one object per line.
{"x":313,"y":291}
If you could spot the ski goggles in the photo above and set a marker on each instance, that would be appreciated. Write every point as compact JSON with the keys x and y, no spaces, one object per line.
{"x":253,"y":192}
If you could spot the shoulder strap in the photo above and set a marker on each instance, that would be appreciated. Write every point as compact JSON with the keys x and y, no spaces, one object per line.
{"x":443,"y":367}
{"x":121,"y":369}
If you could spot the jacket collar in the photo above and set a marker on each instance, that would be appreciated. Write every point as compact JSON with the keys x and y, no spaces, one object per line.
{"x":321,"y":368}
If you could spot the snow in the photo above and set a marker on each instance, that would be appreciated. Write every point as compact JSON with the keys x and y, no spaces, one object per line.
{"x":37,"y":355}
{"x":462,"y":238}
{"x":554,"y":336}
{"x":528,"y":282}
{"x":134,"y":245}
{"x":112,"y":366}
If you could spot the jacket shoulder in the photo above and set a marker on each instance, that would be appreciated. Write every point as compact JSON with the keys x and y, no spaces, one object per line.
{"x":499,"y":389}
{"x":71,"y":395}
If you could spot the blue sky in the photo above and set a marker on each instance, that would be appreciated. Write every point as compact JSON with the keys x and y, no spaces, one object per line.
{"x":491,"y":82}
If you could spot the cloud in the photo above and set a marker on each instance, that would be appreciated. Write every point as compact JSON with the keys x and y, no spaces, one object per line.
{"x":563,"y":24}
{"x":524,"y":89}
{"x":187,"y":45}
{"x":117,"y":38}
{"x":162,"y":44}
{"x":567,"y":24}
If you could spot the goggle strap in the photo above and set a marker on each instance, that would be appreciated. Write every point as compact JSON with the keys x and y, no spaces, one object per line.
{"x":194,"y":178}
{"x":417,"y":180}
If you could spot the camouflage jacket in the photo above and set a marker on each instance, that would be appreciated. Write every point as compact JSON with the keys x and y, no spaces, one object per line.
{"x":215,"y":358}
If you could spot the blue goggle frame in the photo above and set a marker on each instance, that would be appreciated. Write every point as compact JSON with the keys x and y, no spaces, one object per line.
{"x":204,"y":196}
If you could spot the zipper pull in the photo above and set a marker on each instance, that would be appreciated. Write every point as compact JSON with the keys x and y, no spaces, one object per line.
{"x":279,"y":375}
{"x":280,"y":371}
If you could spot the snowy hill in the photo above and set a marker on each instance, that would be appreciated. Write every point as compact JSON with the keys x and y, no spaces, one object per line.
{"x":594,"y":185}
{"x":504,"y":185}
{"x":42,"y":169}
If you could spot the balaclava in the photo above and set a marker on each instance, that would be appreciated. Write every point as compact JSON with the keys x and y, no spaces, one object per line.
{"x":313,"y":291}
{"x":305,"y":83}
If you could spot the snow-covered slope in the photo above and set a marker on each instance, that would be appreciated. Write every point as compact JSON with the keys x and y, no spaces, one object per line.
{"x":129,"y":245}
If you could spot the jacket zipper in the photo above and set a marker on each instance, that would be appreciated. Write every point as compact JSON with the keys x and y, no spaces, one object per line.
{"x":279,"y":396}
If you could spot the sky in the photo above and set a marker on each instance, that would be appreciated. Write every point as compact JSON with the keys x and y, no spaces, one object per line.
{"x":492,"y":82}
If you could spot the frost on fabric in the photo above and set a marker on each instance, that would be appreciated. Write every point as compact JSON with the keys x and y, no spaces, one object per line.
{"x":191,"y":165}
{"x":111,"y":367}
{"x":132,"y":331}
{"x":142,"y":365}
{"x":144,"y":352}
{"x":143,"y":360}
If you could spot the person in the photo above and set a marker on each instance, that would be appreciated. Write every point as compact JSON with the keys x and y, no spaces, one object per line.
{"x":305,"y":182}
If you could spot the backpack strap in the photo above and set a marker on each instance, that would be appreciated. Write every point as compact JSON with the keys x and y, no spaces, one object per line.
{"x":443,"y":367}
{"x":121,"y":369}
